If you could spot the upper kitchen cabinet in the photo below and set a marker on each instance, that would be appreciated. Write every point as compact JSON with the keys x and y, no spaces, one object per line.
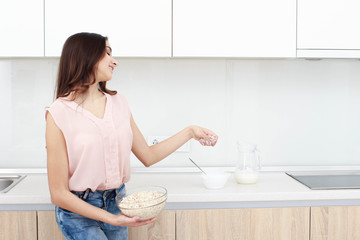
{"x":22,"y":28}
{"x":233,"y":28}
{"x":328,"y":28}
{"x":136,"y":28}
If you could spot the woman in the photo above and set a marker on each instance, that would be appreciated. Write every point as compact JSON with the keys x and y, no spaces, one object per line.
{"x":90,"y":133}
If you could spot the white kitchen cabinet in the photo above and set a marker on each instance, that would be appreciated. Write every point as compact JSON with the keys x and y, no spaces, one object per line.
{"x":328,"y":28}
{"x":232,"y":28}
{"x":136,"y":28}
{"x":22,"y":28}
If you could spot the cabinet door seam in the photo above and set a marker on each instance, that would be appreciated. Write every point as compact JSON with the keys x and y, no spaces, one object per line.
{"x":310,"y":208}
{"x":37,"y":225}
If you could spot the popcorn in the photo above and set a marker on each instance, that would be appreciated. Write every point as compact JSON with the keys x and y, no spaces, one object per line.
{"x":210,"y":142}
{"x":144,"y":204}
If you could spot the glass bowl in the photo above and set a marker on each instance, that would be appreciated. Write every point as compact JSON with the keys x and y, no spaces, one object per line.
{"x":143,"y":202}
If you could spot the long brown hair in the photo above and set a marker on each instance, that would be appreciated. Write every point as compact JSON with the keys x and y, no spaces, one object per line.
{"x":78,"y":62}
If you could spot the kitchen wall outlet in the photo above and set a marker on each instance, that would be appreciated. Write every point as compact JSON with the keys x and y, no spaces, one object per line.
{"x":156,"y":139}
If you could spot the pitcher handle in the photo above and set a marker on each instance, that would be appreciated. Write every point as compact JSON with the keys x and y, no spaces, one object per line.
{"x":257,"y":154}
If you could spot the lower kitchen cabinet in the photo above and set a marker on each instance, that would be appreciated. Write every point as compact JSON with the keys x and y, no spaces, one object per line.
{"x":243,"y":224}
{"x":18,"y":225}
{"x":162,"y":229}
{"x":47,"y":226}
{"x":291,"y":223}
{"x":335,"y":223}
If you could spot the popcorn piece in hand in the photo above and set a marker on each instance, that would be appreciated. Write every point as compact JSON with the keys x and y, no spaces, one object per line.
{"x":211,"y":142}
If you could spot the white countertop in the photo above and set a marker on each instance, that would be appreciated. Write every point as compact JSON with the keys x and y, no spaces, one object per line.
{"x":186,"y":191}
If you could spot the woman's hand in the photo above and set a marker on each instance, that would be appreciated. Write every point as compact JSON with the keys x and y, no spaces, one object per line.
{"x":122,"y":220}
{"x":204,"y":136}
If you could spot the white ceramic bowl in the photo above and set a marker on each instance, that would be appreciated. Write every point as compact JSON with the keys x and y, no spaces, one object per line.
{"x":143,"y":202}
{"x":214,"y":179}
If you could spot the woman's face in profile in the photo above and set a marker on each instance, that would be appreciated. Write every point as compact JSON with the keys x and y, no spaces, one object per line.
{"x":106,"y":65}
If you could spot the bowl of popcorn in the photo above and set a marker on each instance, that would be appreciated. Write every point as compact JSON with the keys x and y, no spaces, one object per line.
{"x":143,"y":202}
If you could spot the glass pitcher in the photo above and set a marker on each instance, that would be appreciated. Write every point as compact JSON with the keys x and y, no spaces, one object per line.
{"x":248,"y":165}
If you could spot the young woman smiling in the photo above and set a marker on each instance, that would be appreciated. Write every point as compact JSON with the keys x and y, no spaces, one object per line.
{"x":90,"y":133}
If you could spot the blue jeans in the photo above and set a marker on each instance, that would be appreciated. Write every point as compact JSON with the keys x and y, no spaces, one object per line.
{"x":77,"y":227}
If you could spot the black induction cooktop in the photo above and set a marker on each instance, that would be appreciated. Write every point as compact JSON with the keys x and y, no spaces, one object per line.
{"x":323,"y":181}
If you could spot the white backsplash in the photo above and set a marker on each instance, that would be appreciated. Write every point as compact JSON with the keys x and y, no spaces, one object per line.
{"x":299,"y":112}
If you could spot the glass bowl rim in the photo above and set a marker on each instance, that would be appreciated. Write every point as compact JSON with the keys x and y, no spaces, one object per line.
{"x":142,"y":189}
{"x":124,"y":208}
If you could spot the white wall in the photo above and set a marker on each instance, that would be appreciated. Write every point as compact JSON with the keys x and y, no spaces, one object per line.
{"x":299,"y":112}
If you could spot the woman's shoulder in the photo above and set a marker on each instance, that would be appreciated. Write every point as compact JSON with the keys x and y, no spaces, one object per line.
{"x":59,"y":102}
{"x":118,"y":97}
{"x":57,"y":110}
{"x":119,"y":101}
{"x":61,"y":105}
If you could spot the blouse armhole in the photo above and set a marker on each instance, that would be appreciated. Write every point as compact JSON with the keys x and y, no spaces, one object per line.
{"x":54,"y":116}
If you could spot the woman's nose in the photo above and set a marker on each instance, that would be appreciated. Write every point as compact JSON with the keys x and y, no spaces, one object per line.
{"x":115,"y":62}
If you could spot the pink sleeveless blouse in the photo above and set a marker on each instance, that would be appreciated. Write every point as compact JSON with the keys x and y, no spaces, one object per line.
{"x":98,"y":149}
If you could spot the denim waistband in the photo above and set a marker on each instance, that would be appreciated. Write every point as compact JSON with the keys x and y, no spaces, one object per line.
{"x":105,"y":193}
